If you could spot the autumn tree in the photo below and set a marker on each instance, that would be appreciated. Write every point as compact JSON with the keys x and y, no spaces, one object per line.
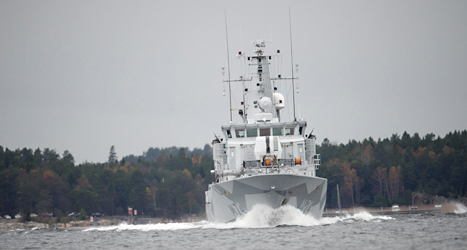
{"x":395,"y":183}
{"x":151,"y":191}
{"x":352,"y":183}
{"x":380,"y":177}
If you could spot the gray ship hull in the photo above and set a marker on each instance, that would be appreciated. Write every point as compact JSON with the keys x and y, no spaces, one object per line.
{"x":228,"y":200}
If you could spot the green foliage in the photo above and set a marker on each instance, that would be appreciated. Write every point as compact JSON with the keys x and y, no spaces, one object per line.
{"x":170,"y":182}
{"x":82,"y":213}
{"x":379,"y":201}
{"x":112,"y":157}
{"x":162,"y":182}
{"x":390,"y":169}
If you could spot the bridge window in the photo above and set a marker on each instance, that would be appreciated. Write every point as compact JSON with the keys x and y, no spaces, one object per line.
{"x":252,"y":132}
{"x":240,"y":133}
{"x":289,"y":131}
{"x":277,"y":131}
{"x":264,"y":132}
{"x":228,"y":134}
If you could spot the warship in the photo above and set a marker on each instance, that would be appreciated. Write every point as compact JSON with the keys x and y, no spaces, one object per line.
{"x":263,"y":159}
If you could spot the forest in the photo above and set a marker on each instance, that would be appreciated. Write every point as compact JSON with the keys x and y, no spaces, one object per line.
{"x":170,"y":182}
{"x":166,"y":183}
{"x":386,"y":172}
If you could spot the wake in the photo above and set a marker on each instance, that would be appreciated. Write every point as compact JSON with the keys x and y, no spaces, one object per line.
{"x":460,"y":209}
{"x":260,"y":216}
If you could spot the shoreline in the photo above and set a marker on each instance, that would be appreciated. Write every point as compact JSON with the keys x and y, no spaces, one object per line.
{"x":384,"y":212}
{"x":51,"y":223}
{"x":448,"y":207}
{"x":14,"y":224}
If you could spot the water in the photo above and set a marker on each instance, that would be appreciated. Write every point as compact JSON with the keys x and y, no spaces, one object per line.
{"x":262,"y":228}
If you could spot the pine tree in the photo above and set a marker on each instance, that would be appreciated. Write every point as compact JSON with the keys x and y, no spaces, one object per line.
{"x":112,"y":157}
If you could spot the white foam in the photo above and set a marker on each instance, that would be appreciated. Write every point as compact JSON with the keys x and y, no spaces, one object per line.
{"x":148,"y":227}
{"x":460,"y":209}
{"x":263,"y":216}
{"x":260,"y":216}
{"x":365,"y":216}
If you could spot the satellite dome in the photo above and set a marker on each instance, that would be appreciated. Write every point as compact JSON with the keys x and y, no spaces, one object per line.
{"x":279,"y":101}
{"x":265,"y":103}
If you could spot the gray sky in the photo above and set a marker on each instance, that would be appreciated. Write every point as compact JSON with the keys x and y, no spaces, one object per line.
{"x":85,"y":75}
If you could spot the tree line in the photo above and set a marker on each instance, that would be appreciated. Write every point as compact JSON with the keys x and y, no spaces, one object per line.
{"x":388,"y":171}
{"x":170,"y":182}
{"x":166,"y":182}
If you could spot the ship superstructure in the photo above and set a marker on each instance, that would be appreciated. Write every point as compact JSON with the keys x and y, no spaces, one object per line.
{"x":263,"y":159}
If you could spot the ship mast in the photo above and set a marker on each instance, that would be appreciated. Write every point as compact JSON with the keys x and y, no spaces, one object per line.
{"x":228,"y":64}
{"x":291,"y":61}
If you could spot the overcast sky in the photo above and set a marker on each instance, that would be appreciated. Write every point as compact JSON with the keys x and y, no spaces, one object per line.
{"x":85,"y":75}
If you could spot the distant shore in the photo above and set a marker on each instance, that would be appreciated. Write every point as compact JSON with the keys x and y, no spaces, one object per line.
{"x":448,"y":207}
{"x":15,"y":224}
{"x":41,"y":223}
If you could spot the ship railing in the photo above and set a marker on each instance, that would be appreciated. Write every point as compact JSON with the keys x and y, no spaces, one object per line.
{"x":317,"y":160}
{"x":286,"y":162}
{"x":251,"y":164}
{"x":280,"y":163}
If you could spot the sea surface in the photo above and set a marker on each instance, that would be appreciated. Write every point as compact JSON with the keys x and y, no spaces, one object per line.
{"x":262,"y":228}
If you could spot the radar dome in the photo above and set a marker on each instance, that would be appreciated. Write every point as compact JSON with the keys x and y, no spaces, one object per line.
{"x":265,"y":103}
{"x":279,"y":101}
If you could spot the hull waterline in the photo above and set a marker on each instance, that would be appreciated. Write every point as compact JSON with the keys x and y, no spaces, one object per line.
{"x":230,"y":200}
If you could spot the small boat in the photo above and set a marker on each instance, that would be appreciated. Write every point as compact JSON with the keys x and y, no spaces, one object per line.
{"x":395,"y":208}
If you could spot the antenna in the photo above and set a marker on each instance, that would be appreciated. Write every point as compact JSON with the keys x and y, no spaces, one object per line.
{"x":291,"y":60}
{"x":270,"y":33}
{"x":228,"y":64}
{"x":241,"y":39}
{"x":244,"y":67}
